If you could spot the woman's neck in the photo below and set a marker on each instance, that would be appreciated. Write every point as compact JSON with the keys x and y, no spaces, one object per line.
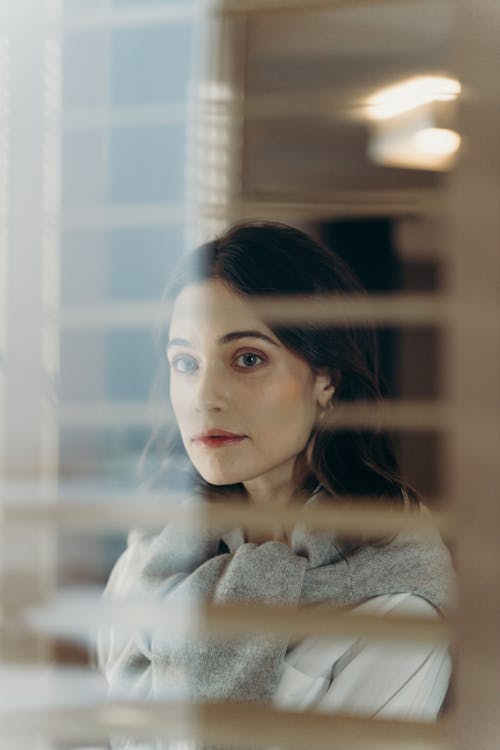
{"x":264,"y":494}
{"x":281,"y":486}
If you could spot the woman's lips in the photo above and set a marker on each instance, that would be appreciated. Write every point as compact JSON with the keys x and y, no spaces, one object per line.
{"x":218,"y":439}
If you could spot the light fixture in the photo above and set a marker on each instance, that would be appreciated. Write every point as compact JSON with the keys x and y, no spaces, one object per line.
{"x":428,"y":148}
{"x":409,"y":94}
{"x":411,"y":124}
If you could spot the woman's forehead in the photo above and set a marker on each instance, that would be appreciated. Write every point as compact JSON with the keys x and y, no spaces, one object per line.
{"x":212,"y":308}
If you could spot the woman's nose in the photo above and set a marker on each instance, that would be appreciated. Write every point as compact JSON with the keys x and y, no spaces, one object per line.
{"x":212,"y":391}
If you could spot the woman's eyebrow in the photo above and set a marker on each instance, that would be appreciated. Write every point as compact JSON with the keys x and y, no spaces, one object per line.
{"x":231,"y":336}
{"x":178,"y":342}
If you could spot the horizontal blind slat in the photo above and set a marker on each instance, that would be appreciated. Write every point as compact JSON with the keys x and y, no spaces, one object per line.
{"x":215,"y":723}
{"x":103,"y":512}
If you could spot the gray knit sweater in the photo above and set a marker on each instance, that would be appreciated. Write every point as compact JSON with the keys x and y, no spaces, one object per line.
{"x":181,"y":564}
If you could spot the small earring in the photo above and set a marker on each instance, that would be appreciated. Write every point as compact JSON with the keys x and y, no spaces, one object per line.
{"x":329,"y":404}
{"x":328,"y":407}
{"x":325,"y":410}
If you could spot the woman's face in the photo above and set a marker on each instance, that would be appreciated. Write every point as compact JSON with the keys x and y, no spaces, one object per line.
{"x":244,"y":403}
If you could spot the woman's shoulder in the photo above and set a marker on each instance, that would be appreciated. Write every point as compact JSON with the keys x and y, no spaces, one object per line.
{"x":415,"y":561}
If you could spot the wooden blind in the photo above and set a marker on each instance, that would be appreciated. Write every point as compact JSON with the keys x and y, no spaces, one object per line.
{"x":42,"y":126}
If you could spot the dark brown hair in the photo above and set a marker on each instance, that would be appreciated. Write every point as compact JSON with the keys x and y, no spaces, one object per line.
{"x":268,"y":258}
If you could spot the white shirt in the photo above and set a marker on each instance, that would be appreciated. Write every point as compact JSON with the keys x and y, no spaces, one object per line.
{"x":370,"y":678}
{"x":359,"y":676}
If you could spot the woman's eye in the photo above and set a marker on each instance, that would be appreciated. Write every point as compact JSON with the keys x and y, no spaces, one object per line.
{"x":249,"y":360}
{"x":184,"y":364}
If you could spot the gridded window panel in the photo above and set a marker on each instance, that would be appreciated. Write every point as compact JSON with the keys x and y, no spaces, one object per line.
{"x":150,"y":64}
{"x":140,"y":261}
{"x":130,"y":263}
{"x":85,"y":80}
{"x":84,"y":558}
{"x":103,"y":457}
{"x":83,"y":267}
{"x":146,"y":164}
{"x":124,"y":165}
{"x":114,"y":365}
{"x":131,"y":365}
{"x":84,"y":169}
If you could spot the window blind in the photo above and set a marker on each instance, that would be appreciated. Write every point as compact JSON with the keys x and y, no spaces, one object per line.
{"x":128,"y":132}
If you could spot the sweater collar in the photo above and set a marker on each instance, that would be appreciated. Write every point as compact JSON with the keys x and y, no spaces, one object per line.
{"x":318,"y":547}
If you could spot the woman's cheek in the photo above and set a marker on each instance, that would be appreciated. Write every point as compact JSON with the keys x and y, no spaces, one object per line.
{"x":283,"y":393}
{"x":180,"y":398}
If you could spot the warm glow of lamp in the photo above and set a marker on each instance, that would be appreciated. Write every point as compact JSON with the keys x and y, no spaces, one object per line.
{"x":410,"y":94}
{"x":439,"y":142}
{"x":426,"y":148}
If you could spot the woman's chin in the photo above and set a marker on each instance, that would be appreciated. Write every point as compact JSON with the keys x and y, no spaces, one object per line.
{"x":219,"y":478}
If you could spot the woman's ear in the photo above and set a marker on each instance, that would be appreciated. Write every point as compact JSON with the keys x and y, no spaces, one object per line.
{"x":325,"y":385}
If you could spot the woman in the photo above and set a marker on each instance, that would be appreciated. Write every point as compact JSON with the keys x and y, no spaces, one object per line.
{"x":254,"y":405}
